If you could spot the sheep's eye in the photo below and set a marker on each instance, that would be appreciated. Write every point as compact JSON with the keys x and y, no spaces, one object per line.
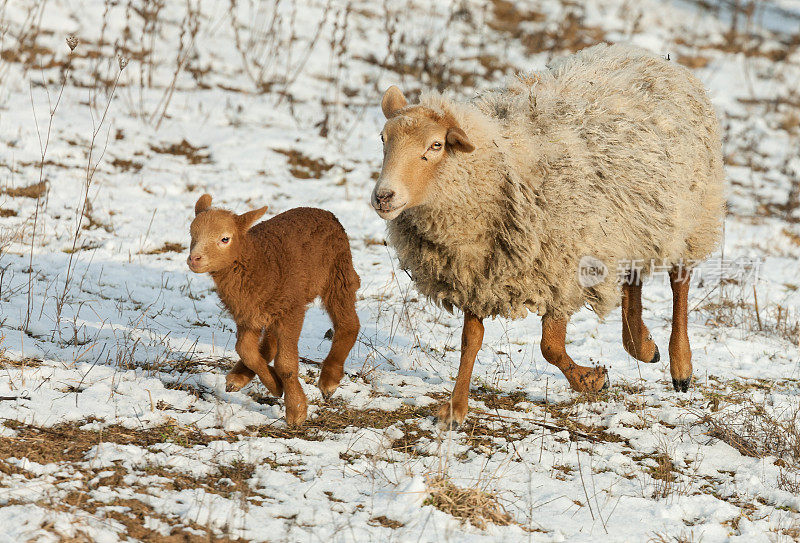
{"x":436,"y":145}
{"x":225,"y":240}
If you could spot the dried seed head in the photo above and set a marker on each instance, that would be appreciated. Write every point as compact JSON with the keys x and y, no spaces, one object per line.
{"x":72,"y":42}
{"x":122,"y":62}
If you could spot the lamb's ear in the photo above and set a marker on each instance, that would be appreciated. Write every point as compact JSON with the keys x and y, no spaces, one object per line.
{"x":392,"y":101}
{"x":203,"y":203}
{"x":246,"y":220}
{"x":458,"y":140}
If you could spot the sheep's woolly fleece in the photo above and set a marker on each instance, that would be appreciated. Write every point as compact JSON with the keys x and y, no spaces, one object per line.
{"x":612,"y":153}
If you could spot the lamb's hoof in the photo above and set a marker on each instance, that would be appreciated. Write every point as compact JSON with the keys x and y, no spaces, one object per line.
{"x":448,"y":425}
{"x":656,"y":356}
{"x":234,"y":382}
{"x":295,"y":420}
{"x":450,"y":417}
{"x":682,"y":385}
{"x":327,"y":390}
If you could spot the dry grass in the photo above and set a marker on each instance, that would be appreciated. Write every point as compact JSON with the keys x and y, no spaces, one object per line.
{"x":751,"y":429}
{"x":540,"y":35}
{"x":335,"y":417}
{"x":472,"y":505}
{"x":386,"y":522}
{"x":683,"y":537}
{"x":34,"y":191}
{"x":193,"y":154}
{"x":67,"y":442}
{"x":18,"y":363}
{"x":168,"y":247}
{"x":304,"y":167}
{"x":737,"y":306}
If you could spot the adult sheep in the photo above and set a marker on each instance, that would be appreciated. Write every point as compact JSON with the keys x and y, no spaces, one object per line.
{"x":612,"y":155}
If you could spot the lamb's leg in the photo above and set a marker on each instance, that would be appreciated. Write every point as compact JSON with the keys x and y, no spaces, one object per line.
{"x":269,"y":344}
{"x":635,"y":335}
{"x":581,"y":378}
{"x":453,"y":412}
{"x":247,"y":346}
{"x":341,"y":306}
{"x":238,"y":377}
{"x":287,"y":367}
{"x":680,"y":354}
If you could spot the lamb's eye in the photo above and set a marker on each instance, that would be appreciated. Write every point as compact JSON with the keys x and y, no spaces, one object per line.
{"x":225,"y":240}
{"x":436,"y":145}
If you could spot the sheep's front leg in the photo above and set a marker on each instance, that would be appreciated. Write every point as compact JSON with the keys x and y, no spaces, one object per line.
{"x":581,"y":378}
{"x":247,"y":346}
{"x":680,"y":354}
{"x":454,"y":411}
{"x":287,"y":366}
{"x":635,"y":336}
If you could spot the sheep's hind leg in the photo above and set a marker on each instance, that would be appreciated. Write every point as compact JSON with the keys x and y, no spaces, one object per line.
{"x":287,"y":365}
{"x":453,"y":412}
{"x":635,"y":336}
{"x":581,"y":378}
{"x":248,"y":348}
{"x":680,"y":354}
{"x":341,"y":307}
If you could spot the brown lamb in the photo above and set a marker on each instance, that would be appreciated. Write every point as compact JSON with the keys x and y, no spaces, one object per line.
{"x":266,"y":276}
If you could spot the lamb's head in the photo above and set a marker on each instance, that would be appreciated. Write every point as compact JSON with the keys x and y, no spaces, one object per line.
{"x":217,"y":236}
{"x":417,"y":141}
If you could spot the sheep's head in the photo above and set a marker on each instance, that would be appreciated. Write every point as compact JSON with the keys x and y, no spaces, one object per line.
{"x":416,"y":142}
{"x":217,"y":236}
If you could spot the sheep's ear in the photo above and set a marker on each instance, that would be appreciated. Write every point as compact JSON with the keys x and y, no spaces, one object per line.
{"x":458,"y":140}
{"x":246,"y":220}
{"x":203,"y":203}
{"x":393,"y":100}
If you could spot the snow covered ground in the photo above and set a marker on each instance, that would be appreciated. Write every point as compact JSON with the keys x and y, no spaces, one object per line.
{"x":115,"y":420}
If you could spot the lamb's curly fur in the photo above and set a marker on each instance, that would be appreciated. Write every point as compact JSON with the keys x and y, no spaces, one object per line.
{"x":612,"y":152}
{"x":266,"y":276}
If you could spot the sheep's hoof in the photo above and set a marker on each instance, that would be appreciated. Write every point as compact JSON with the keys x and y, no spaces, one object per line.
{"x":587,"y":379}
{"x":656,"y":356}
{"x":682,"y":385}
{"x":450,"y":417}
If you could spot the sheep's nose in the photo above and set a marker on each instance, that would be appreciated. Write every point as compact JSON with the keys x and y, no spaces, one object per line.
{"x":383,"y":197}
